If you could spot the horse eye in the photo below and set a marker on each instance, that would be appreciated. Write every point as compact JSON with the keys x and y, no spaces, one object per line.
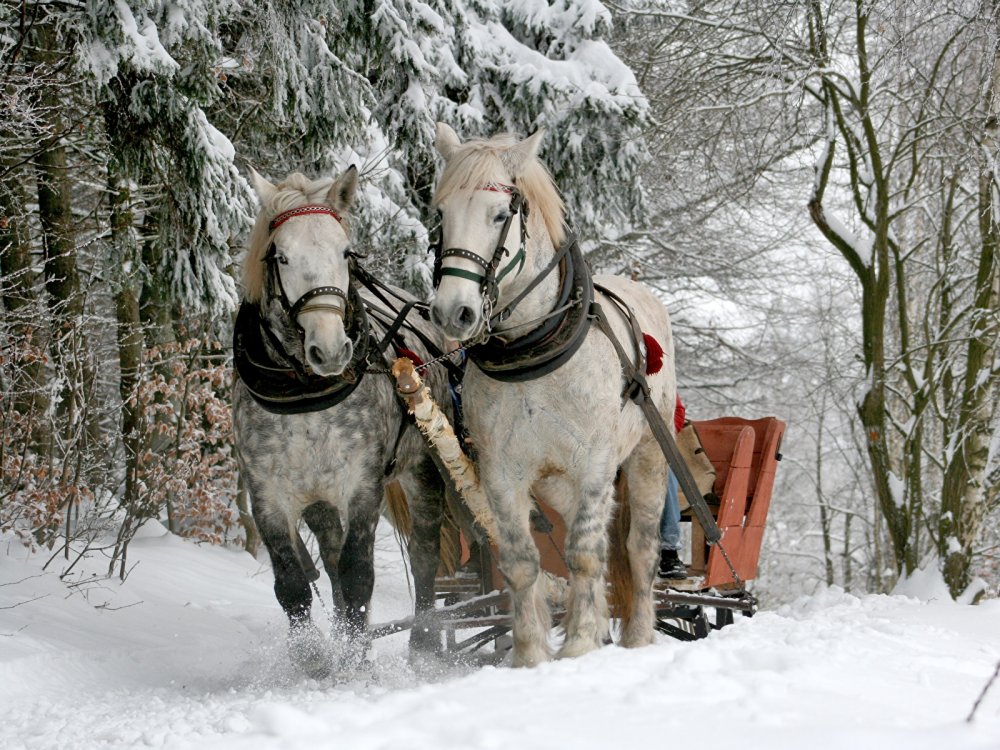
{"x":282,"y":259}
{"x":500,"y":218}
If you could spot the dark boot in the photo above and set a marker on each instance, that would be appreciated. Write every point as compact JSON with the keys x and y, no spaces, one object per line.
{"x":671,"y":566}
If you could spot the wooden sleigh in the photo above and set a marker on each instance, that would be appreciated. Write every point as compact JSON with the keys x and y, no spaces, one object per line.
{"x":744,"y":453}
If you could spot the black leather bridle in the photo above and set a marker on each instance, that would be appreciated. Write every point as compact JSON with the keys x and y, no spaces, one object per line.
{"x":489,"y":280}
{"x":303,"y":303}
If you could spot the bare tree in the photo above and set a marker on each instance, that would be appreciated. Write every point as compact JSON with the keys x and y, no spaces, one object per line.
{"x":890,"y":104}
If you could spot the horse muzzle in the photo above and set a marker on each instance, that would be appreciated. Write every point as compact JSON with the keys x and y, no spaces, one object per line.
{"x":459,"y":320}
{"x":328,"y":350}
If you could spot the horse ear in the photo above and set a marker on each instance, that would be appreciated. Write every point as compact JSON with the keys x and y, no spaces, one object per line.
{"x":446,"y":141}
{"x":521,"y":153}
{"x":341,"y":194}
{"x":264,"y":189}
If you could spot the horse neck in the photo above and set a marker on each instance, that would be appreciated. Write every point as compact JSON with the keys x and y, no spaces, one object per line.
{"x":539,"y":252}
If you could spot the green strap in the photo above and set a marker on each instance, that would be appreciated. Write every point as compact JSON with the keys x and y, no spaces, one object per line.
{"x":463,"y":274}
{"x":518,"y":259}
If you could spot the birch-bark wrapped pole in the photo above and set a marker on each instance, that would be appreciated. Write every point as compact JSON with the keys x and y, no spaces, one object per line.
{"x":438,"y":431}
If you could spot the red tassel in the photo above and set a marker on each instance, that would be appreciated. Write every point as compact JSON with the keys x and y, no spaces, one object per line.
{"x":654,"y":354}
{"x":410,"y":355}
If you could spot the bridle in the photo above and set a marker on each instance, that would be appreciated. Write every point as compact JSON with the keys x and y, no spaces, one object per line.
{"x":303,"y":304}
{"x":489,"y":280}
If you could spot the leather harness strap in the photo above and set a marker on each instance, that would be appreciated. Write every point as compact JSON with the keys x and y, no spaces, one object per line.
{"x":637,"y":389}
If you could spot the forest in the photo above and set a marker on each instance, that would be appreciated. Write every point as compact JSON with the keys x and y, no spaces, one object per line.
{"x":813,"y":188}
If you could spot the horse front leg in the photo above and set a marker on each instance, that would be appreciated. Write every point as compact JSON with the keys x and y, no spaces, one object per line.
{"x":357,"y":570}
{"x":520,"y":566}
{"x":306,"y":646}
{"x":586,"y":620}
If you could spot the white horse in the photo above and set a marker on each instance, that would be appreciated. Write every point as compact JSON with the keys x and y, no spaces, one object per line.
{"x":559,"y":429}
{"x":319,"y":436}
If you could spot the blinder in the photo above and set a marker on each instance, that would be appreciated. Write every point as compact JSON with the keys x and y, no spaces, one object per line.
{"x":302,"y":304}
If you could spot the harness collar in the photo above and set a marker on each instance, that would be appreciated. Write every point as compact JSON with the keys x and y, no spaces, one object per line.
{"x":550,"y":345}
{"x":278,"y":381}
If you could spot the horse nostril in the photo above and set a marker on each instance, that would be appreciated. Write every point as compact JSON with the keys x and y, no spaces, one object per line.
{"x":316,"y":355}
{"x":465,"y":316}
{"x":346,"y":351}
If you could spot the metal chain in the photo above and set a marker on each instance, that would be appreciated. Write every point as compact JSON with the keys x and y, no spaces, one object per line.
{"x":428,"y":363}
{"x":732,"y":568}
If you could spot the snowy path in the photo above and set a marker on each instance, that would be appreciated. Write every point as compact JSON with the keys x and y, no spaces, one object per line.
{"x":198,"y":661}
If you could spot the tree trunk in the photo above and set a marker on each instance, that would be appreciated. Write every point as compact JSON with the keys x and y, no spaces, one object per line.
{"x":19,"y":300}
{"x":155,"y":307}
{"x":963,"y":496}
{"x":126,"y":296}
{"x":825,"y":521}
{"x":55,"y":213}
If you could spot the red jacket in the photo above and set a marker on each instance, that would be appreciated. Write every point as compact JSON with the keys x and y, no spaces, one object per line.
{"x":679,"y":412}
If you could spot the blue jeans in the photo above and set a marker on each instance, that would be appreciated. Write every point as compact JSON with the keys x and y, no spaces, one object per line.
{"x":670,"y":520}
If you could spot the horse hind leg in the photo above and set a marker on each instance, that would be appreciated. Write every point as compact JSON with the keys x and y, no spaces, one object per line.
{"x":325,"y":523}
{"x":425,"y":490}
{"x":586,"y":620}
{"x":645,"y":478}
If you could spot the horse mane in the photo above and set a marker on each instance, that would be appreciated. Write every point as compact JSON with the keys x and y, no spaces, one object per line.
{"x":295,"y":190}
{"x":477,"y":163}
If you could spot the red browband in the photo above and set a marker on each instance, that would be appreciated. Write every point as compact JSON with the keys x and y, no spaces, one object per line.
{"x":499,"y":187}
{"x":284,"y":216}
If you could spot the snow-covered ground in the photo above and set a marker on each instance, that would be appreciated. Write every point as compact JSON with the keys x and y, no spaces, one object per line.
{"x":189,"y":653}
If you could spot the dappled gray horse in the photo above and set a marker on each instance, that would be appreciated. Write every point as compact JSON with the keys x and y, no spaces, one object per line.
{"x":543,"y":395}
{"x":318,"y":439}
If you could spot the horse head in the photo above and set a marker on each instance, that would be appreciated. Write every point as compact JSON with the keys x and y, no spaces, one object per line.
{"x":483,"y":198}
{"x":298,"y":267}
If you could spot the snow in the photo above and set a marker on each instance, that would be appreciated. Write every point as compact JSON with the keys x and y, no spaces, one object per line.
{"x":897,"y":488}
{"x":147,"y":52}
{"x":189,"y":652}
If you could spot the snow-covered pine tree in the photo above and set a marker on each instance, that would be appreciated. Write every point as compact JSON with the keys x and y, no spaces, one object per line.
{"x":154,"y":65}
{"x":535,"y":64}
{"x":319,"y":85}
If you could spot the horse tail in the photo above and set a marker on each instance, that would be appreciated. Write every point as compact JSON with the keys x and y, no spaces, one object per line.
{"x":451,"y":545}
{"x":398,"y":510}
{"x":619,"y":568}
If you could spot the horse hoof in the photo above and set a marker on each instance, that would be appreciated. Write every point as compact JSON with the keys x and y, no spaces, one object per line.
{"x":577,"y":647}
{"x":530,"y":656}
{"x":425,"y":640}
{"x":633,"y":640}
{"x":309,"y":651}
